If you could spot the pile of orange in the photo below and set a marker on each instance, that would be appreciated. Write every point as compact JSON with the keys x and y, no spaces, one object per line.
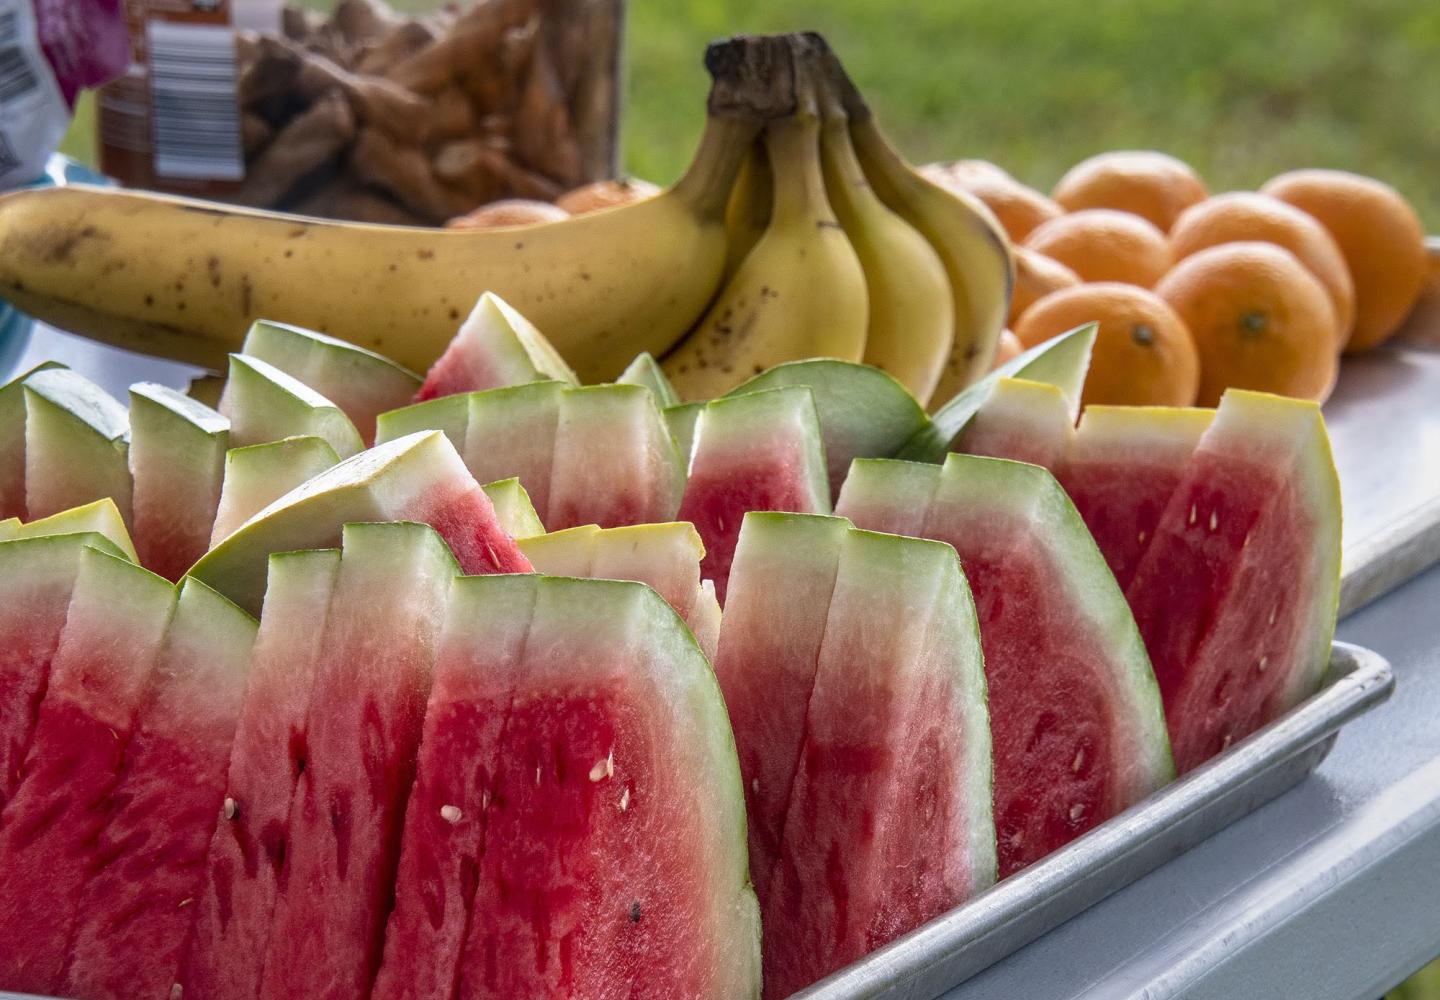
{"x":1194,"y":292}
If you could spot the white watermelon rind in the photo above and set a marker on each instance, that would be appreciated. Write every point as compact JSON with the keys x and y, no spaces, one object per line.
{"x":73,"y":427}
{"x":177,"y":455}
{"x":266,"y":404}
{"x":450,"y":414}
{"x":256,"y":476}
{"x":513,"y":508}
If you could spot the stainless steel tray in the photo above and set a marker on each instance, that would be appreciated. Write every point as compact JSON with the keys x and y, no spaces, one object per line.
{"x":950,"y":949}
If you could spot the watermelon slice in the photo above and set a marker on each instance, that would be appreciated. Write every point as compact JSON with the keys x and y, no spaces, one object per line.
{"x":513,"y":508}
{"x":50,"y":826}
{"x":645,"y":371}
{"x":1045,"y":596}
{"x":681,"y":420}
{"x":1120,"y":470}
{"x":1061,"y":361}
{"x":177,"y":463}
{"x":76,"y":440}
{"x":450,"y":414}
{"x":265,"y":404}
{"x":245,"y":858}
{"x":1236,"y":593}
{"x":863,"y":411}
{"x":759,"y":451}
{"x":615,"y":461}
{"x":416,"y":478}
{"x":495,"y":347}
{"x":100,"y":518}
{"x":362,"y":383}
{"x":367,"y":704}
{"x":615,"y":801}
{"x":148,"y":866}
{"x":257,"y":476}
{"x":889,"y":821}
{"x":511,"y":434}
{"x":1021,"y":420}
{"x":477,"y":666}
{"x":12,"y":444}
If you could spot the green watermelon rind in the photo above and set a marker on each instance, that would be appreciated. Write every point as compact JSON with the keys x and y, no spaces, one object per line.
{"x":645,"y":371}
{"x":737,"y":422}
{"x":1061,"y":361}
{"x":449,"y":414}
{"x":266,"y":404}
{"x":259,"y":474}
{"x":100,"y":518}
{"x":513,"y":508}
{"x":72,"y":424}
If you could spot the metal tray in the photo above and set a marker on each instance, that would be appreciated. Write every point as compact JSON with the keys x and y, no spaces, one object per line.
{"x":942,"y":954}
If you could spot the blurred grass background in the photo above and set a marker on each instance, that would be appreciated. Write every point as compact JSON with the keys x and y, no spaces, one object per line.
{"x":1240,"y":89}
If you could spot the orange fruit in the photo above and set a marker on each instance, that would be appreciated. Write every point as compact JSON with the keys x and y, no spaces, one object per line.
{"x":1154,"y":186}
{"x":1260,"y":321}
{"x":1245,"y":215}
{"x":1036,"y":276}
{"x":1006,"y":349}
{"x":508,"y":212}
{"x":1380,"y":236}
{"x":1019,"y":208}
{"x":1143,"y":353}
{"x":1102,"y":244}
{"x":606,"y":194}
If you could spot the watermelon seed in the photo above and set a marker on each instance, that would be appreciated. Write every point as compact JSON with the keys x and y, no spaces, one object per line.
{"x":1264,"y":660}
{"x":537,"y":776}
{"x":1141,"y":538}
{"x":634,"y":913}
{"x":185,"y":902}
{"x":1193,"y":513}
{"x":1273,"y":612}
{"x":625,"y":800}
{"x":176,"y":991}
{"x":1214,"y":521}
{"x":1225,"y":743}
{"x":450,"y":814}
{"x":231,"y":808}
{"x":603,"y":768}
{"x":485,"y":799}
{"x":1076,"y":811}
{"x":755,"y":785}
{"x":1079,"y":761}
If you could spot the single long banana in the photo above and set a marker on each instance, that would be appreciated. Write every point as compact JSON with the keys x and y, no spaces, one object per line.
{"x":748,"y":212}
{"x":912,"y":311}
{"x":799,"y":293}
{"x":185,"y":279}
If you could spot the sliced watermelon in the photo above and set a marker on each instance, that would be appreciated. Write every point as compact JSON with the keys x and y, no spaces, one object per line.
{"x":1021,"y":420}
{"x":1236,"y":594}
{"x":681,"y":420}
{"x":889,"y":821}
{"x":12,"y":444}
{"x":476,"y":669}
{"x":512,"y":435}
{"x":890,"y":496}
{"x":863,"y":411}
{"x":645,"y":371}
{"x":759,"y":451}
{"x":362,"y":383}
{"x":513,"y":508}
{"x":616,"y":803}
{"x":495,"y":347}
{"x":50,"y":827}
{"x":615,"y":461}
{"x":265,"y":404}
{"x":367,"y":704}
{"x":76,"y":440}
{"x":100,"y":518}
{"x":450,"y":414}
{"x":1120,"y":470}
{"x":177,"y":463}
{"x":257,"y":476}
{"x":769,"y":648}
{"x":1061,"y":361}
{"x":149,"y":865}
{"x":246,"y":854}
{"x":416,"y":478}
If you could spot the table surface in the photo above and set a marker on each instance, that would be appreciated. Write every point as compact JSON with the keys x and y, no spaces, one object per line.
{"x":1331,"y":891}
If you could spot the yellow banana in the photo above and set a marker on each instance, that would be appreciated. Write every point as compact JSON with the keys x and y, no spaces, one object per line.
{"x":799,"y":293}
{"x":912,"y":312}
{"x":749,"y":209}
{"x":185,"y":279}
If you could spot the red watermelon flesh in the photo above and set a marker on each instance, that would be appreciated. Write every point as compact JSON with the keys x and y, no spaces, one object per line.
{"x":757,"y":451}
{"x":50,"y":826}
{"x":246,"y":853}
{"x":1248,"y":547}
{"x":362,"y":731}
{"x":464,"y":517}
{"x":889,"y":821}
{"x":613,"y":861}
{"x":767,"y":659}
{"x":475,"y":671}
{"x":1023,"y":421}
{"x":1120,"y":470}
{"x":149,"y":864}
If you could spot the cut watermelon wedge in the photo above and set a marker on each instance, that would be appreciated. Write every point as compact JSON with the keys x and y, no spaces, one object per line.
{"x":1061,"y":361}
{"x":416,"y":478}
{"x":177,"y":463}
{"x":265,"y":404}
{"x":12,"y":444}
{"x":257,"y":476}
{"x":1121,"y":468}
{"x":863,"y":411}
{"x":363,"y":729}
{"x":759,"y":451}
{"x":246,"y":854}
{"x":76,"y":441}
{"x":495,"y":347}
{"x":148,"y":866}
{"x":616,"y":803}
{"x":50,"y":827}
{"x":646,"y":372}
{"x":1021,"y":420}
{"x":889,"y":821}
{"x":450,"y":414}
{"x":362,"y":383}
{"x":681,"y":420}
{"x":101,"y":517}
{"x":889,"y":496}
{"x":1236,"y":594}
{"x":511,"y":434}
{"x":513,"y":508}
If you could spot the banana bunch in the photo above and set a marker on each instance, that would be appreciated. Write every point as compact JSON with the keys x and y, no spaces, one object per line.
{"x":797,"y":231}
